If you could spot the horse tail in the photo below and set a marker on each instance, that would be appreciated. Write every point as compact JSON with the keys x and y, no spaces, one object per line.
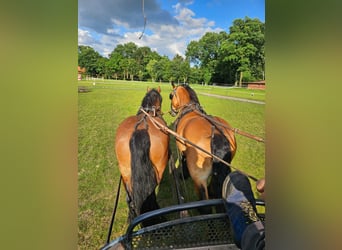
{"x":220,"y":147}
{"x":143,"y":177}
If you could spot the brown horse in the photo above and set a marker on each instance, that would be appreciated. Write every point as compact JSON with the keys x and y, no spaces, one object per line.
{"x":207,"y":132}
{"x":142,"y":152}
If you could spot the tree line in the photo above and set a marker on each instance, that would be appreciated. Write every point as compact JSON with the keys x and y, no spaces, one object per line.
{"x":220,"y":58}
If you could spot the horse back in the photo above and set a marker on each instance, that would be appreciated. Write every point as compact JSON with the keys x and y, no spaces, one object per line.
{"x":200,"y":131}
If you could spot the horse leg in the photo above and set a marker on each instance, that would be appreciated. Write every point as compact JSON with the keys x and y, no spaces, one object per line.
{"x":202,"y":192}
{"x":200,"y":177}
{"x":200,"y":184}
{"x":185,"y":169}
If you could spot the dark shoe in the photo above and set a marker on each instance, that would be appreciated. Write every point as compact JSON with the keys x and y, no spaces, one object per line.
{"x":241,"y":208}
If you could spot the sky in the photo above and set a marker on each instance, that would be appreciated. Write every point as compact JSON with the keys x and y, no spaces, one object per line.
{"x":170,"y":24}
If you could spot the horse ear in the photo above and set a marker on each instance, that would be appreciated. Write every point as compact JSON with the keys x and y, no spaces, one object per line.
{"x":173,"y":84}
{"x":148,"y":89}
{"x":159,"y":89}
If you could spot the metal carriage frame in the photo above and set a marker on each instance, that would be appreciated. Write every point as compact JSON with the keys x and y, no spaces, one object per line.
{"x":193,"y":231}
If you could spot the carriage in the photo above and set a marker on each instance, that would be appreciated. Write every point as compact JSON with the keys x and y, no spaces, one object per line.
{"x":202,"y":224}
{"x":209,"y":231}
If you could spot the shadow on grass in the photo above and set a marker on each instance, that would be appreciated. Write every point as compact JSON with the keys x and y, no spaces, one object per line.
{"x":167,"y":193}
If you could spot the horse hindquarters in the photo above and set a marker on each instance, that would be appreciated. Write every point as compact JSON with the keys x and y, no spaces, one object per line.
{"x":143,"y":177}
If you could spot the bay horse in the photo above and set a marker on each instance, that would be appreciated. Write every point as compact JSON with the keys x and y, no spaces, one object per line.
{"x":142,"y":152}
{"x":207,"y":132}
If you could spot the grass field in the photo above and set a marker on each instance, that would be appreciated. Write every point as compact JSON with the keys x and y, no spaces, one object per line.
{"x":99,"y":113}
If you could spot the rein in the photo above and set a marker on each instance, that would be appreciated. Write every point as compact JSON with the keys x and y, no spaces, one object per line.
{"x":235,"y":130}
{"x":186,"y":141}
{"x":189,"y":108}
{"x":155,"y":110}
{"x":114,"y":211}
{"x":182,"y":111}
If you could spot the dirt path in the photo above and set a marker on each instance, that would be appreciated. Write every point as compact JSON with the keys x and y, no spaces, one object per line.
{"x":232,"y":98}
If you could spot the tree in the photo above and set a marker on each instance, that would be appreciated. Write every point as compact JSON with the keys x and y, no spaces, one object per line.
{"x":114,"y":65}
{"x":164,"y":68}
{"x":126,"y":50}
{"x":124,"y":66}
{"x":142,"y":56}
{"x":176,"y":68}
{"x":88,"y":58}
{"x":132,"y":67}
{"x":193,"y":53}
{"x":195,"y":75}
{"x":221,"y":57}
{"x":232,"y":57}
{"x":101,"y":67}
{"x":245,"y":48}
{"x":180,"y":68}
{"x":151,"y":69}
{"x":130,"y":61}
{"x":205,"y":53}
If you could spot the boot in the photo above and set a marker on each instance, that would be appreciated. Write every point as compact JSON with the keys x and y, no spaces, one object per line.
{"x":240,"y":204}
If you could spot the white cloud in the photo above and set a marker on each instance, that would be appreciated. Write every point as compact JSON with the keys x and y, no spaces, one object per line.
{"x":84,"y":37}
{"x":101,"y":15}
{"x":167,"y":34}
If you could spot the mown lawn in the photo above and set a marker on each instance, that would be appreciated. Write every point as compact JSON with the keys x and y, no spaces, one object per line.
{"x":99,"y":113}
{"x":255,"y":94}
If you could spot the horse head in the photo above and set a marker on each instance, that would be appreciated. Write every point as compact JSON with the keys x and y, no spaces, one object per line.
{"x":180,"y":98}
{"x":152,"y":101}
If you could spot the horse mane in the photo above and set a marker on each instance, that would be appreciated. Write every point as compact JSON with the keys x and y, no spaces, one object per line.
{"x":192,"y":93}
{"x":193,"y":97}
{"x":150,"y":100}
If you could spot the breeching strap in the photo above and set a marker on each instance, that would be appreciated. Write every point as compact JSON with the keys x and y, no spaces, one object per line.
{"x":186,"y":141}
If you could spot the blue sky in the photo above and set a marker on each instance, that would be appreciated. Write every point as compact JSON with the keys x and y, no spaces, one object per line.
{"x":171,"y":24}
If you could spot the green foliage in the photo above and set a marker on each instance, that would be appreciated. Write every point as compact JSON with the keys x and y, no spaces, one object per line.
{"x":195,"y":75}
{"x":215,"y":58}
{"x":152,"y":70}
{"x":206,"y":76}
{"x":246,"y":47}
{"x":90,"y":59}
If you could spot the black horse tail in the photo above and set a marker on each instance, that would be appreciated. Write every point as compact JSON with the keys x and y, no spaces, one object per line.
{"x":220,"y":147}
{"x":143,"y":176}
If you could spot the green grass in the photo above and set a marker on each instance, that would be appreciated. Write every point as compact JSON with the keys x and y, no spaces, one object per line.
{"x":255,"y":94}
{"x":100,"y":112}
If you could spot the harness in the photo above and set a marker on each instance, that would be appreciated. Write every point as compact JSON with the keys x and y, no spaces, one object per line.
{"x":186,"y":141}
{"x":153,"y":111}
{"x":185,"y":110}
